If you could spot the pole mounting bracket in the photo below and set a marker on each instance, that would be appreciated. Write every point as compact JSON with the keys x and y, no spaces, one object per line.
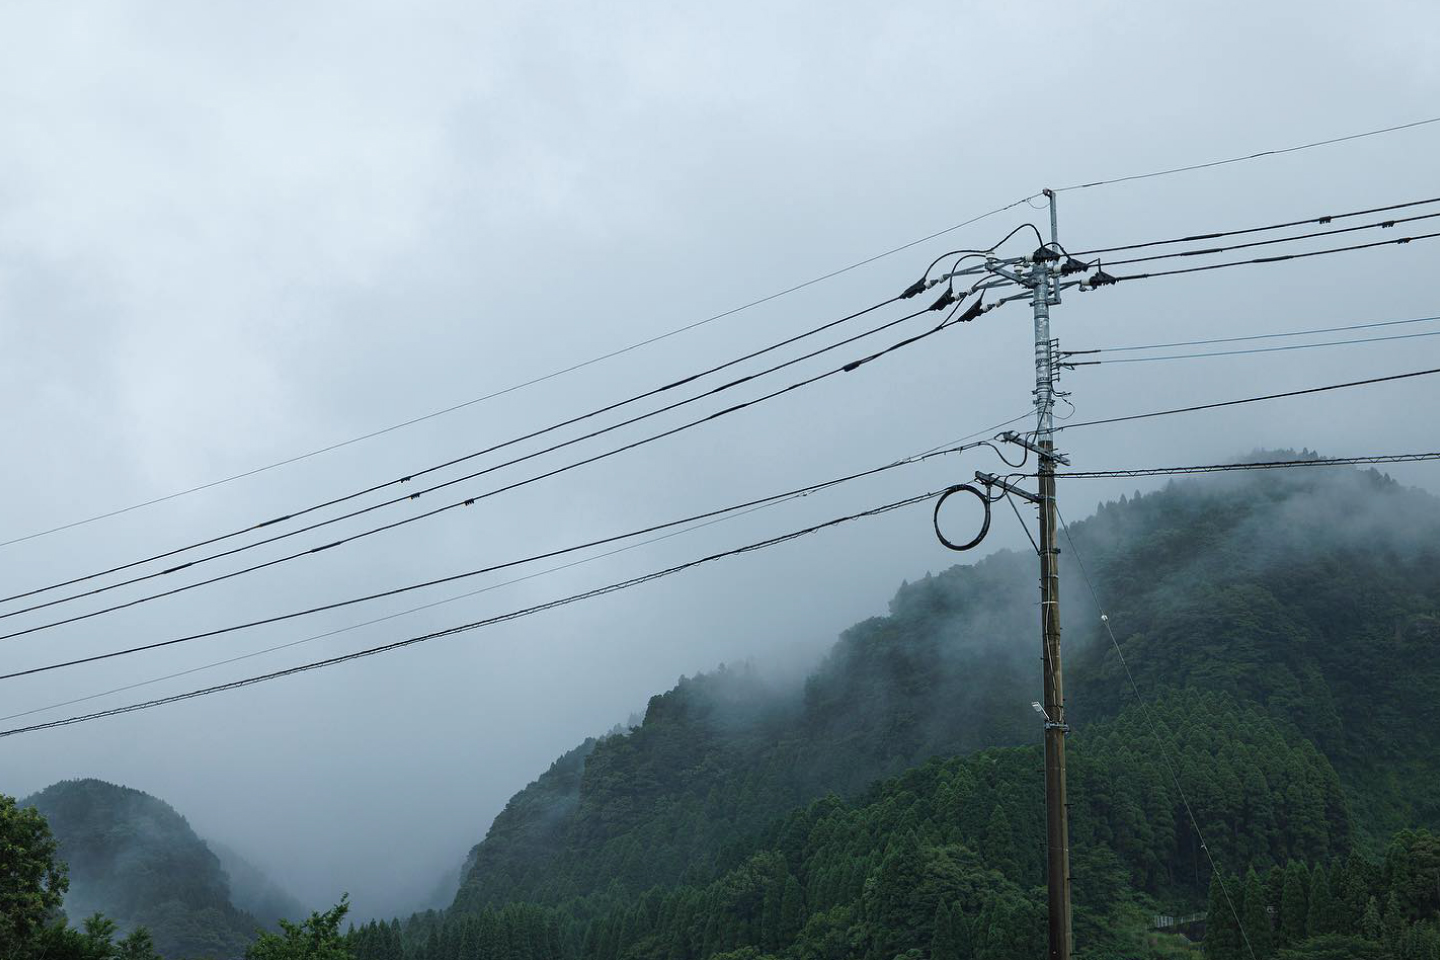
{"x":1010,"y":436}
{"x":990,"y":480}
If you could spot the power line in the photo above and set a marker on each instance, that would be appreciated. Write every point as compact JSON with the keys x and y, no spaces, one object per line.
{"x":471,"y":593}
{"x":1211,"y":251}
{"x":303,"y":511}
{"x":1254,"y":336}
{"x":459,"y":503}
{"x":1249,"y":156}
{"x":675,"y":332}
{"x":1257,"y":465}
{"x":475,"y":625}
{"x":547,"y":555}
{"x":388,"y":617}
{"x":1323,"y":219}
{"x":406,"y":497}
{"x":944,"y":301}
{"x":1276,"y":259}
{"x":514,"y":387}
{"x":1270,"y":396}
{"x":1250,"y":350}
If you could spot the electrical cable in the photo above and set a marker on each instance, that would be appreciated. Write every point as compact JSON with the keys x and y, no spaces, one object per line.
{"x":467,"y":594}
{"x":1250,"y":156}
{"x":1211,"y":251}
{"x":1257,"y":465}
{"x":1232,"y":403}
{"x":452,"y":578}
{"x":1156,"y":727}
{"x":1254,"y":336}
{"x":853,"y":365}
{"x":972,"y":252}
{"x":518,"y":386}
{"x":1250,"y":350}
{"x":401,"y":499}
{"x":410,"y":477}
{"x":1276,"y":259}
{"x":1193,"y":238}
{"x":388,"y":617}
{"x":303,"y":511}
{"x":478,"y":624}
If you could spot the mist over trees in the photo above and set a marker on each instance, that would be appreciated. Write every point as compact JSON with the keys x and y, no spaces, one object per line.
{"x":1273,"y":779}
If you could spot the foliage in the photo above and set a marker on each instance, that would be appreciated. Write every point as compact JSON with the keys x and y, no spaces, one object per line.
{"x":32,"y":880}
{"x":316,"y":938}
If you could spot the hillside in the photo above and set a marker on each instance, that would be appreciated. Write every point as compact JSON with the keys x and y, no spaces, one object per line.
{"x":1302,"y":599}
{"x":135,"y":859}
{"x":947,"y":859}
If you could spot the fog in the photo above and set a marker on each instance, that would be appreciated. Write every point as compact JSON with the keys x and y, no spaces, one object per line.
{"x":233,"y":233}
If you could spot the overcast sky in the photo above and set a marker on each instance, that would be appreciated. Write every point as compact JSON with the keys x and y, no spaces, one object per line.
{"x":231,"y":233}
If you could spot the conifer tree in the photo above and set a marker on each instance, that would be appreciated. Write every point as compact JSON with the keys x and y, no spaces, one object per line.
{"x":945,"y":941}
{"x":1321,"y":917}
{"x":1392,"y":922}
{"x":1255,"y":919}
{"x":1294,"y":912}
{"x":998,"y":845}
{"x":1222,"y":930}
{"x":1370,"y":923}
{"x":792,"y":911}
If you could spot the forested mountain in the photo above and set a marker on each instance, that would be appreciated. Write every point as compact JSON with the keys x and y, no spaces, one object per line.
{"x":1275,"y":623}
{"x":135,"y":859}
{"x":1275,"y":775}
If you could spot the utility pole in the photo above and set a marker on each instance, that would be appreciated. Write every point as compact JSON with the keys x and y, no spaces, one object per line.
{"x":1042,"y":273}
{"x":1042,"y":280}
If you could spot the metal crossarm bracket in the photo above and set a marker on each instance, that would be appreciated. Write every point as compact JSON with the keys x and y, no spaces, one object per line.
{"x":990,"y":480}
{"x":1010,"y":436}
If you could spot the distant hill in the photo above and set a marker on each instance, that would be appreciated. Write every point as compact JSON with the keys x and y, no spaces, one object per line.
{"x":253,"y":891}
{"x":135,"y":859}
{"x":1306,"y":600}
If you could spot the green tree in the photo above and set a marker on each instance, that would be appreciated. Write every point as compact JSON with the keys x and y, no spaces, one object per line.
{"x":138,"y":945}
{"x":792,"y":911}
{"x":1222,"y":929}
{"x":998,"y":844}
{"x":1392,"y":922}
{"x":1370,"y":923}
{"x":1255,"y":919}
{"x":317,"y":938}
{"x":1294,"y":904}
{"x":1321,"y":918}
{"x":945,"y":941}
{"x":32,"y":881}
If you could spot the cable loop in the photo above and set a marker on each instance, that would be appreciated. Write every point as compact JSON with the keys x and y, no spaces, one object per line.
{"x":984,"y":526}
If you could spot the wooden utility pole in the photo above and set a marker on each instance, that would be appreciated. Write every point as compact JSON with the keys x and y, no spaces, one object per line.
{"x":1042,"y":280}
{"x":1057,"y":803}
{"x":1041,"y":273}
